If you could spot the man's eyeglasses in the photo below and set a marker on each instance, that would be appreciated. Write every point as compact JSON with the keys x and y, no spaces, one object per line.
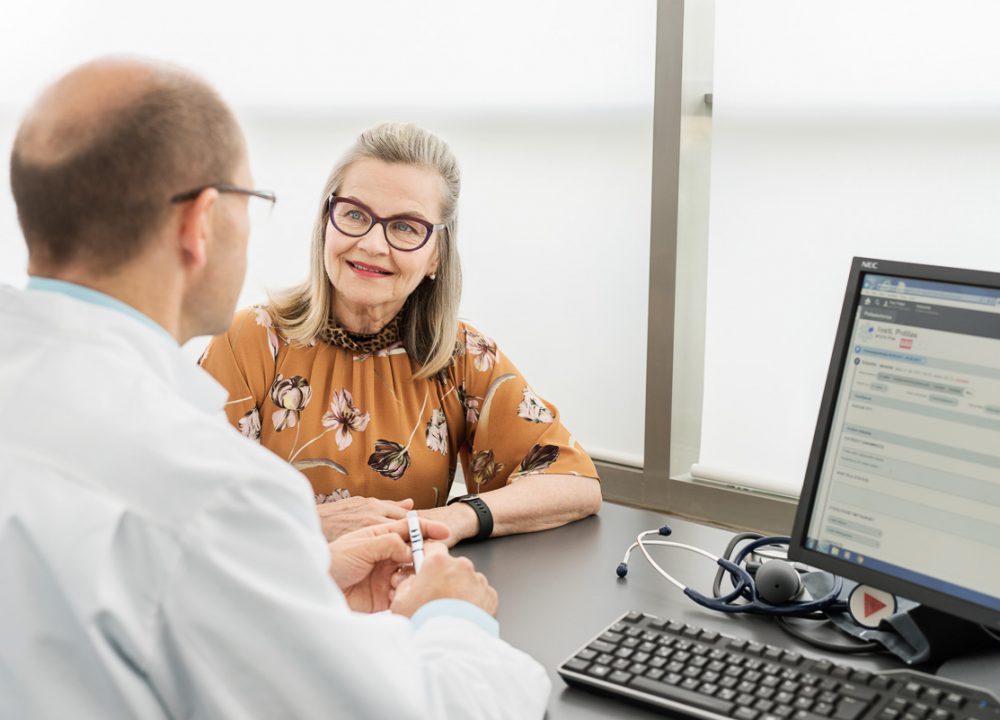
{"x":225,"y":188}
{"x":402,"y":232}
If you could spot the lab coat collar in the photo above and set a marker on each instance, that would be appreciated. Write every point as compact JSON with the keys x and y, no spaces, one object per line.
{"x":79,"y":323}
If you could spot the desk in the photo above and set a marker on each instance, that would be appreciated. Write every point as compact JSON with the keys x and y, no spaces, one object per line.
{"x":558,"y":588}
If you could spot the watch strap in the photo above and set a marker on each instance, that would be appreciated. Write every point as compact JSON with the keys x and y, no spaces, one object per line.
{"x":482,"y":511}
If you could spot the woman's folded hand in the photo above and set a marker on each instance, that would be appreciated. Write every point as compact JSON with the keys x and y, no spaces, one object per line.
{"x":353,"y":513}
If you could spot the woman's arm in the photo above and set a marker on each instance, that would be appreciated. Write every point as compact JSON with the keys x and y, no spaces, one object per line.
{"x":526,"y":504}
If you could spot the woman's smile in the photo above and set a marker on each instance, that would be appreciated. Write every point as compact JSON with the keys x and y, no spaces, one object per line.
{"x":368,"y":271}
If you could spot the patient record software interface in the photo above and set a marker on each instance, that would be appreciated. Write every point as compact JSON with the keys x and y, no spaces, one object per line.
{"x":910,"y":481}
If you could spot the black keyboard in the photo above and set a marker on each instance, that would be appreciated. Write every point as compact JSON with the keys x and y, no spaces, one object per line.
{"x":701,"y":673}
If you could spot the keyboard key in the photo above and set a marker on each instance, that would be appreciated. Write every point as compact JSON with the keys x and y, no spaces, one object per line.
{"x":792,"y":658}
{"x":577,"y":664}
{"x":687,"y":697}
{"x":612,"y":637}
{"x":633,"y":617}
{"x":953,"y":700}
{"x":599,"y":670}
{"x":586,"y":654}
{"x":931,"y":696}
{"x":859,"y":692}
{"x":654,"y":674}
{"x":620,"y":677}
{"x":745,"y":713}
{"x":850,"y":709}
{"x":601,"y":646}
{"x":861,"y":676}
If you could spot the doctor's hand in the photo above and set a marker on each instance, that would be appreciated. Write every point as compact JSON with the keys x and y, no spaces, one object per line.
{"x":363,"y":562}
{"x":352,"y":513}
{"x":442,"y":576}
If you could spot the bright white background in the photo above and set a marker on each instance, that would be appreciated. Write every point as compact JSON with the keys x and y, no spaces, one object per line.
{"x":548,"y":106}
{"x":840,"y":129}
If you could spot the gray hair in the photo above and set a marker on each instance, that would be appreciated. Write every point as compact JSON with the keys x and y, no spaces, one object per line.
{"x":303,"y":311}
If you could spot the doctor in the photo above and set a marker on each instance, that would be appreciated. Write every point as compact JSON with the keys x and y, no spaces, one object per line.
{"x":155,"y":563}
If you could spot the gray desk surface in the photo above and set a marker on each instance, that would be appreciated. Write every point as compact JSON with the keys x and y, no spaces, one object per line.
{"x":558,"y":588}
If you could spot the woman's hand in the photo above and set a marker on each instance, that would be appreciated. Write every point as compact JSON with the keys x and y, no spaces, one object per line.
{"x":363,"y":562}
{"x":353,"y":513}
{"x":460,"y":519}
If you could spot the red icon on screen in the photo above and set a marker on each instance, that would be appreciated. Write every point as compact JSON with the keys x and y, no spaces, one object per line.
{"x":906,"y":343}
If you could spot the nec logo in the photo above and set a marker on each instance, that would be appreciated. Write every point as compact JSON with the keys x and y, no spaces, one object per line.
{"x":869,"y":264}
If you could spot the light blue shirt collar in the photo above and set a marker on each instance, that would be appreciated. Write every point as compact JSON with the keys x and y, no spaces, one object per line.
{"x":87,"y":295}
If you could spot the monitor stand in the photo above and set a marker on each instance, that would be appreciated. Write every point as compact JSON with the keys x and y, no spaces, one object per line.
{"x":965,"y":650}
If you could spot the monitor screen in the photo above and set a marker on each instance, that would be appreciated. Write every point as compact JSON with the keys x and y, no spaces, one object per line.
{"x":902,"y":491}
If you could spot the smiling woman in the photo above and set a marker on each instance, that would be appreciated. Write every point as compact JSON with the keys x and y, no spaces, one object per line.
{"x":367,"y":382}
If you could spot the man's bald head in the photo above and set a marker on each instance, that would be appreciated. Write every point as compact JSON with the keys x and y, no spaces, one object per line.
{"x":99,"y":156}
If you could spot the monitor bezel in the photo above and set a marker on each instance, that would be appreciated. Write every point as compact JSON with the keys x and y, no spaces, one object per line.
{"x":798,"y":551}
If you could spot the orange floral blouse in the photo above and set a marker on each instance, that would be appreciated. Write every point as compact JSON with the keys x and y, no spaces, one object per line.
{"x":359,"y":423}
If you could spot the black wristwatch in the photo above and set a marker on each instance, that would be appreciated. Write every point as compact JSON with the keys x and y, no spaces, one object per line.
{"x":482,"y":512}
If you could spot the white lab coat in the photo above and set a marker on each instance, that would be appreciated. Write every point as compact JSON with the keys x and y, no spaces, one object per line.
{"x":154,"y":563}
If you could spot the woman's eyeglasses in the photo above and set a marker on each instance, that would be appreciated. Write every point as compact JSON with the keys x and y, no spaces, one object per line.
{"x":402,"y":232}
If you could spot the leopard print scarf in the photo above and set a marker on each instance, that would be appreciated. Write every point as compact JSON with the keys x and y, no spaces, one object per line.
{"x":360,"y":343}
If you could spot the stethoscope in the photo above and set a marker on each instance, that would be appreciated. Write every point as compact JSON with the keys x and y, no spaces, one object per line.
{"x":744,"y":587}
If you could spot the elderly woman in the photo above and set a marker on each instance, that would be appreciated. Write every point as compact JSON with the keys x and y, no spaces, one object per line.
{"x":363,"y":377}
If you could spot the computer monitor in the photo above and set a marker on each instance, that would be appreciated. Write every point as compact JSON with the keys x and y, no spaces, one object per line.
{"x":902,"y":489}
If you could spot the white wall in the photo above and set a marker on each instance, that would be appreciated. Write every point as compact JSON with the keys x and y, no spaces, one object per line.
{"x":855,"y":128}
{"x":548,"y":106}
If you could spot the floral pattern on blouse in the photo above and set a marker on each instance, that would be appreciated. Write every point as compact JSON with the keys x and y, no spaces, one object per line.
{"x":249,"y":425}
{"x":484,"y":467}
{"x":471,"y":404}
{"x":343,"y":417}
{"x":359,"y":437}
{"x":291,"y":395}
{"x":389,"y":459}
{"x":263,"y":318}
{"x":540,"y":457}
{"x":533,"y":409}
{"x":437,"y":432}
{"x":483,"y":349}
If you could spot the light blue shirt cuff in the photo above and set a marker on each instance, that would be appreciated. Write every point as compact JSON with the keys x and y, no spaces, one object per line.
{"x":457,"y":609}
